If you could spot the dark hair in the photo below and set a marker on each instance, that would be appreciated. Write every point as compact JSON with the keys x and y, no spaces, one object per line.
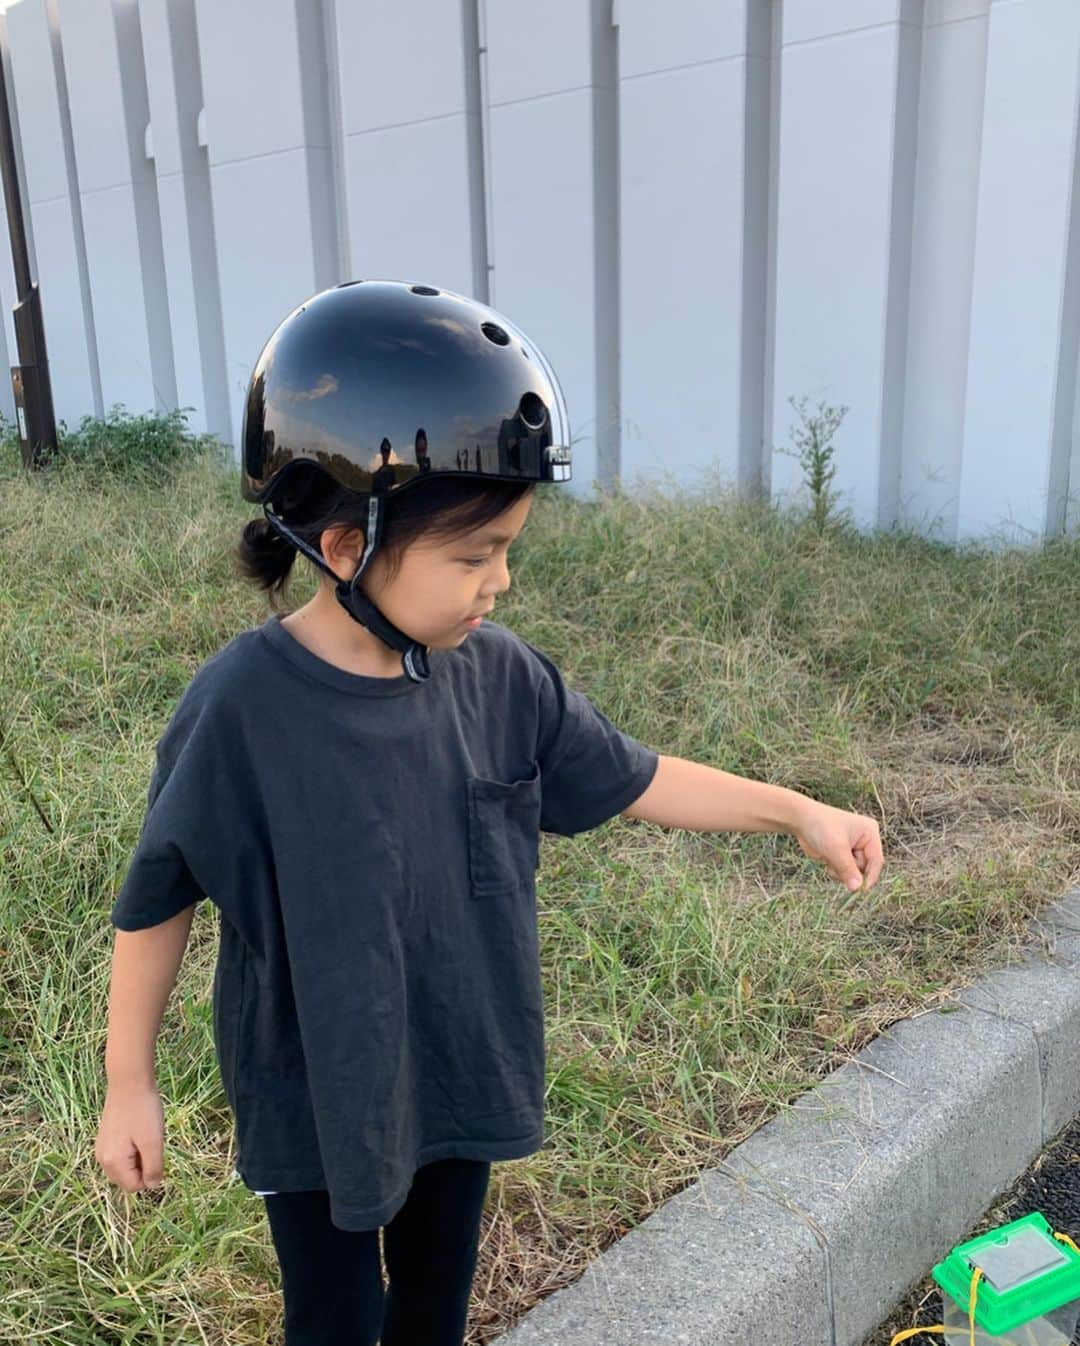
{"x":313,"y":501}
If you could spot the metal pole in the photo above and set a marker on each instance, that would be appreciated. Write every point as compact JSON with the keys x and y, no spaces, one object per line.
{"x":30,"y":378}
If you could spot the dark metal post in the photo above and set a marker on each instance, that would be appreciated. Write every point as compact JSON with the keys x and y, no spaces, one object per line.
{"x":29,"y":378}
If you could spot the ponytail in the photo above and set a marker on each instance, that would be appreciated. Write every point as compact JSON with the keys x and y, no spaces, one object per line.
{"x":265,"y":557}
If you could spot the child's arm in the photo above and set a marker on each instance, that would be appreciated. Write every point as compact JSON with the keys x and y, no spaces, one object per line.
{"x":144,"y":969}
{"x":693,"y":795}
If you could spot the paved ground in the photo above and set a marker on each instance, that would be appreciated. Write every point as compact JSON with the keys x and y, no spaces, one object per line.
{"x":1051,"y":1185}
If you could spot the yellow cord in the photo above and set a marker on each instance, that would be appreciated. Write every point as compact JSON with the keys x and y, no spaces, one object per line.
{"x":914,"y":1331}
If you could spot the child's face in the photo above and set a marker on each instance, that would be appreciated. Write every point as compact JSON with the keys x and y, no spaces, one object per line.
{"x":439,"y":583}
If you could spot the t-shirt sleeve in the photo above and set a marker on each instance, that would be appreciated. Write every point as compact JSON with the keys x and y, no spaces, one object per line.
{"x":184,"y":842}
{"x":589,"y":769}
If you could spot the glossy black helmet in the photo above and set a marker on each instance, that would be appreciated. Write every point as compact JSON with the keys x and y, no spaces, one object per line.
{"x":382,"y":383}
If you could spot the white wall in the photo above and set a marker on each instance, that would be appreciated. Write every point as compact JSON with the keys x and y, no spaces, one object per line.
{"x":698,"y":210}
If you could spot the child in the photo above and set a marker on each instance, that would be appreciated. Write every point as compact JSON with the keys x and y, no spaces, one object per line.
{"x":359,"y":786}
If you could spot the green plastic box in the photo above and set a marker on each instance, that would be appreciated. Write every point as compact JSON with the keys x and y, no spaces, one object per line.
{"x":1026,"y":1273}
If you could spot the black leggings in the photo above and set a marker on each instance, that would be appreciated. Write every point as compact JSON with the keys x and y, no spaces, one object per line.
{"x":331,"y":1278}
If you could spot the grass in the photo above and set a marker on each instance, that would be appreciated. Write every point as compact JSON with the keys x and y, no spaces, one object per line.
{"x":695,"y":983}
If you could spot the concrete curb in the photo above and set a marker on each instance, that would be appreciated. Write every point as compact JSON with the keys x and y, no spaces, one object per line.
{"x":811,"y":1231}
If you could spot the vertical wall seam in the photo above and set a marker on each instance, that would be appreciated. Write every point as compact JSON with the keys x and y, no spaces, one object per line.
{"x":752,"y":262}
{"x":901,"y":223}
{"x":606,"y":247}
{"x":616,"y":252}
{"x":474,"y":55}
{"x":1062,"y":421}
{"x":75,"y":203}
{"x":973,"y":254}
{"x":135,"y":99}
{"x":768,"y":377}
{"x":182,"y":27}
{"x":11,"y":352}
{"x":336,"y":130}
{"x":754,"y":250}
{"x":314,"y":57}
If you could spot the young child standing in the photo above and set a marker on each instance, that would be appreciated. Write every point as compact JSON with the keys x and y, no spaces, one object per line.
{"x":359,"y":787}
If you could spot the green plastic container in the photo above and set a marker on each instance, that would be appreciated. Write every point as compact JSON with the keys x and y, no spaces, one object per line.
{"x":1028,"y":1294}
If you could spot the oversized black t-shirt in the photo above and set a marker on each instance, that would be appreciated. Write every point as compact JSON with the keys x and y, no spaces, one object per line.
{"x":371,"y":844}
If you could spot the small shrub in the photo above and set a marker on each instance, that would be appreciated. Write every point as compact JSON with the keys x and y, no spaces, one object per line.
{"x":119,"y":444}
{"x":814,"y":453}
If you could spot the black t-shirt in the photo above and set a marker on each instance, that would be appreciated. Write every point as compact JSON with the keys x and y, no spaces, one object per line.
{"x":372,"y":844}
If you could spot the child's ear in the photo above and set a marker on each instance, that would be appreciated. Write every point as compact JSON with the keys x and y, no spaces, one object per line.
{"x":341,"y":543}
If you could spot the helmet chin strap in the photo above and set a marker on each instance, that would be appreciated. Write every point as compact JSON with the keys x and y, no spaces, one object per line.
{"x":355,"y":602}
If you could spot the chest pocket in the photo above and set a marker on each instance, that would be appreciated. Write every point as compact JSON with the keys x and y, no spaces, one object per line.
{"x":504,"y":833}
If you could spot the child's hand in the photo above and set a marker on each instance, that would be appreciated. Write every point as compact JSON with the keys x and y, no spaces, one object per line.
{"x":848,"y":843}
{"x":131,"y":1136}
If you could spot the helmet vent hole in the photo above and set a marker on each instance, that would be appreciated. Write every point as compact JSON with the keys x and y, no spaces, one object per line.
{"x":532,"y":411}
{"x":422,"y":289}
{"x":495,"y":333}
{"x":348,"y":282}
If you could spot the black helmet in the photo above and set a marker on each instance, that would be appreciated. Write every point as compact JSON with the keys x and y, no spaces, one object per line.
{"x":371,"y":364}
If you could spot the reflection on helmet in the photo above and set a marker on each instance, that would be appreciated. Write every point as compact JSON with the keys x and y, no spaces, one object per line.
{"x":360,"y":368}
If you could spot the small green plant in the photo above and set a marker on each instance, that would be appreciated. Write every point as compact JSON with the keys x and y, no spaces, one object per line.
{"x":814,"y":452}
{"x":120,"y":443}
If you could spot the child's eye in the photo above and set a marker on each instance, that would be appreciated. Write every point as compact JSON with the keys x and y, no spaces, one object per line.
{"x":479,"y":561}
